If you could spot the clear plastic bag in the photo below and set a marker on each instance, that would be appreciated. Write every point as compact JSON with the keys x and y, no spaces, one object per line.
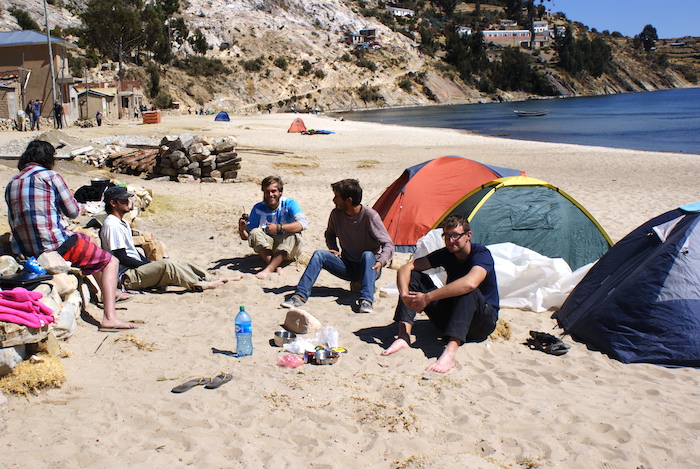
{"x":327,"y":335}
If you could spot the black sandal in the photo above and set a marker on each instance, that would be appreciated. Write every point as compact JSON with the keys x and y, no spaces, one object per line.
{"x":547,"y":343}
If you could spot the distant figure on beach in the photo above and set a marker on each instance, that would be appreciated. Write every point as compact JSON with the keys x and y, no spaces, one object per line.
{"x":365,"y":247}
{"x":36,"y":198}
{"x":465,"y":309}
{"x":135,"y":271}
{"x":37,"y":114}
{"x":98,"y":118}
{"x":273,"y":228}
{"x":29,"y":111}
{"x":21,"y":120}
{"x":58,"y":114}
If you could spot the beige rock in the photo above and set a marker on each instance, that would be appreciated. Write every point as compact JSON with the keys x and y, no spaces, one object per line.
{"x":65,"y":284}
{"x":53,"y":263}
{"x":8,"y":265}
{"x":301,"y":322}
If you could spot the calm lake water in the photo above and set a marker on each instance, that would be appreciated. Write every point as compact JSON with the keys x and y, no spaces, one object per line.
{"x":657,"y":121}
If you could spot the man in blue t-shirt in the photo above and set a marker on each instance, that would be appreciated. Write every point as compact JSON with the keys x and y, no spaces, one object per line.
{"x":273,"y":228}
{"x":465,"y":309}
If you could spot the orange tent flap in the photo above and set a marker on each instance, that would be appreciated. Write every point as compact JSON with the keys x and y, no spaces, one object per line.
{"x":426,"y":196}
{"x":297,"y":126}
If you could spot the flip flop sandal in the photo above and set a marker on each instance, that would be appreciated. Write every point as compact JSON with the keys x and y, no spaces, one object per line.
{"x":218,"y":380}
{"x":546,"y":343}
{"x":190,"y":383}
{"x":556,"y":349}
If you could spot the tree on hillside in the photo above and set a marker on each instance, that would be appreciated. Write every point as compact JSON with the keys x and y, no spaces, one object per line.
{"x":199,"y":42}
{"x":448,"y":6}
{"x":647,"y":38}
{"x":467,"y":54}
{"x":114,"y":28}
{"x":23,"y":19}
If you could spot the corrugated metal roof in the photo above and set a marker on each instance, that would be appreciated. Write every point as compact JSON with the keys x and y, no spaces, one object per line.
{"x":27,"y":38}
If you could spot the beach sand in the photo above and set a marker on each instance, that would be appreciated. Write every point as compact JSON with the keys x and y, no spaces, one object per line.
{"x":504,"y":405}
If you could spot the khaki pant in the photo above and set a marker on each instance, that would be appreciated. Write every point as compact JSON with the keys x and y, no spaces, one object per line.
{"x":289,"y":243}
{"x":21,"y":125}
{"x":163,"y":273}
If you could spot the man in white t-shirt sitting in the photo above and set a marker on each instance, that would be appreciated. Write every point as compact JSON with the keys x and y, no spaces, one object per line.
{"x":137,"y":272}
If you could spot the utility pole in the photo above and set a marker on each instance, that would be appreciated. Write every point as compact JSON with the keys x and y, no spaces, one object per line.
{"x":87,"y":95}
{"x":48,"y":39}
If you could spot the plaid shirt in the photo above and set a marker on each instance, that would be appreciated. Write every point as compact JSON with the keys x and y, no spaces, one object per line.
{"x":36,"y":198}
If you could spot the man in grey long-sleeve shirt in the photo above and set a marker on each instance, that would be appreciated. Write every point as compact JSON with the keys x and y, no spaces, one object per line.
{"x":365,"y":247}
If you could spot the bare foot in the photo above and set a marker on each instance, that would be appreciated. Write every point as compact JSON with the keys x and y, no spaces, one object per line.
{"x":118,"y":324}
{"x":217,"y":283}
{"x":443,"y":364}
{"x":399,"y":344}
{"x":262,"y":275}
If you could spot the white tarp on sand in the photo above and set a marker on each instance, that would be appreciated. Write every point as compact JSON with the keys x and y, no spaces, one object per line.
{"x":526,"y":279}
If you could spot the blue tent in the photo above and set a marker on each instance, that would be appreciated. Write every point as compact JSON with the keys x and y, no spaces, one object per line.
{"x":641,"y":301}
{"x":222,"y":116}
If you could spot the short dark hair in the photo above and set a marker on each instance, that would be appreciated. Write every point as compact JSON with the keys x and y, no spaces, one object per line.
{"x":39,"y":152}
{"x":272,"y":180}
{"x":453,"y":221}
{"x":349,"y":188}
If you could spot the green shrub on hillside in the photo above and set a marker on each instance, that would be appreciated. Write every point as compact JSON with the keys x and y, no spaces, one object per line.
{"x":281,"y":62}
{"x":163,"y":101}
{"x":366,"y":63}
{"x":23,"y":19}
{"x":369,"y":93}
{"x":252,"y":65}
{"x":201,"y":66}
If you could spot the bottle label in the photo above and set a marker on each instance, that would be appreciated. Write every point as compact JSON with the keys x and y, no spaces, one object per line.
{"x":245,"y":328}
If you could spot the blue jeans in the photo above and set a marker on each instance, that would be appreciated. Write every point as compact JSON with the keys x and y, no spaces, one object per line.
{"x":342,"y":268}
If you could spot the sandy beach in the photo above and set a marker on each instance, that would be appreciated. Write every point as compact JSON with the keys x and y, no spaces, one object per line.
{"x":503,"y":406}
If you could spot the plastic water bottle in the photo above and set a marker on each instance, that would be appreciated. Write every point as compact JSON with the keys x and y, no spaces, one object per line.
{"x":244,"y":333}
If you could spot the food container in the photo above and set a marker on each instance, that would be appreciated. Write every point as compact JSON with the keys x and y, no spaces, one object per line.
{"x":101,"y":184}
{"x":284,"y":337}
{"x":324,"y":357}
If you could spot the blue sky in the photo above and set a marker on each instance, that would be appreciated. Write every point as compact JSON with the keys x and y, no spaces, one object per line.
{"x":672,"y":19}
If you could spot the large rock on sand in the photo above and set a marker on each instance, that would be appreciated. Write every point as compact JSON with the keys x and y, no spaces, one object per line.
{"x":301,"y":322}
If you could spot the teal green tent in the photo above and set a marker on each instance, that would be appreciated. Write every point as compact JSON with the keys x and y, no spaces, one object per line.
{"x":533,"y":214}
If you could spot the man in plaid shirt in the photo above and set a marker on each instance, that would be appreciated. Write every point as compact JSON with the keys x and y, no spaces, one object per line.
{"x":36,"y":198}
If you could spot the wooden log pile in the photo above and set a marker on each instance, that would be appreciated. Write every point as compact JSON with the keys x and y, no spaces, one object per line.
{"x":188,"y":158}
{"x":134,"y":161}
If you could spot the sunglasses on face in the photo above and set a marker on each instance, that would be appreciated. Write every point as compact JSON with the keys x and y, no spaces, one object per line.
{"x":452,"y":236}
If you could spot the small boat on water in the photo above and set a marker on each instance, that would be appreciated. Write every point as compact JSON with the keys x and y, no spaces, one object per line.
{"x":530,"y":113}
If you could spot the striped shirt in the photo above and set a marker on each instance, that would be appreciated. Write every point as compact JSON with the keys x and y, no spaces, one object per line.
{"x":36,"y":198}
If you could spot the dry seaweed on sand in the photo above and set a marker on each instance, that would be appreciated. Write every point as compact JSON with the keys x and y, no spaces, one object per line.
{"x":502,"y":331}
{"x":31,"y":376}
{"x":139,"y":343}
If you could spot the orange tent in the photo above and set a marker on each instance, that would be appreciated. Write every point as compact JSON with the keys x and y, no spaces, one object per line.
{"x":297,"y":126}
{"x":417,"y":199}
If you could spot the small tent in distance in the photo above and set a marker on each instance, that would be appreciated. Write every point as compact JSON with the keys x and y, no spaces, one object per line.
{"x":297,"y":126}
{"x":412,"y":203}
{"x":641,"y":302}
{"x":535,"y":215}
{"x":222,"y":116}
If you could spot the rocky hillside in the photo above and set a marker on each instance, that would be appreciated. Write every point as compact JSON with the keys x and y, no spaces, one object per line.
{"x":303,"y":32}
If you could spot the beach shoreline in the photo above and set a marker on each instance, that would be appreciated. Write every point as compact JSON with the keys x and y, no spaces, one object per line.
{"x":503,"y":406}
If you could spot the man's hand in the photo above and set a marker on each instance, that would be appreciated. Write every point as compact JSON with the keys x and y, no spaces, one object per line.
{"x":377,"y":267}
{"x":334,"y":252}
{"x":242,"y":223}
{"x":415,"y":300}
